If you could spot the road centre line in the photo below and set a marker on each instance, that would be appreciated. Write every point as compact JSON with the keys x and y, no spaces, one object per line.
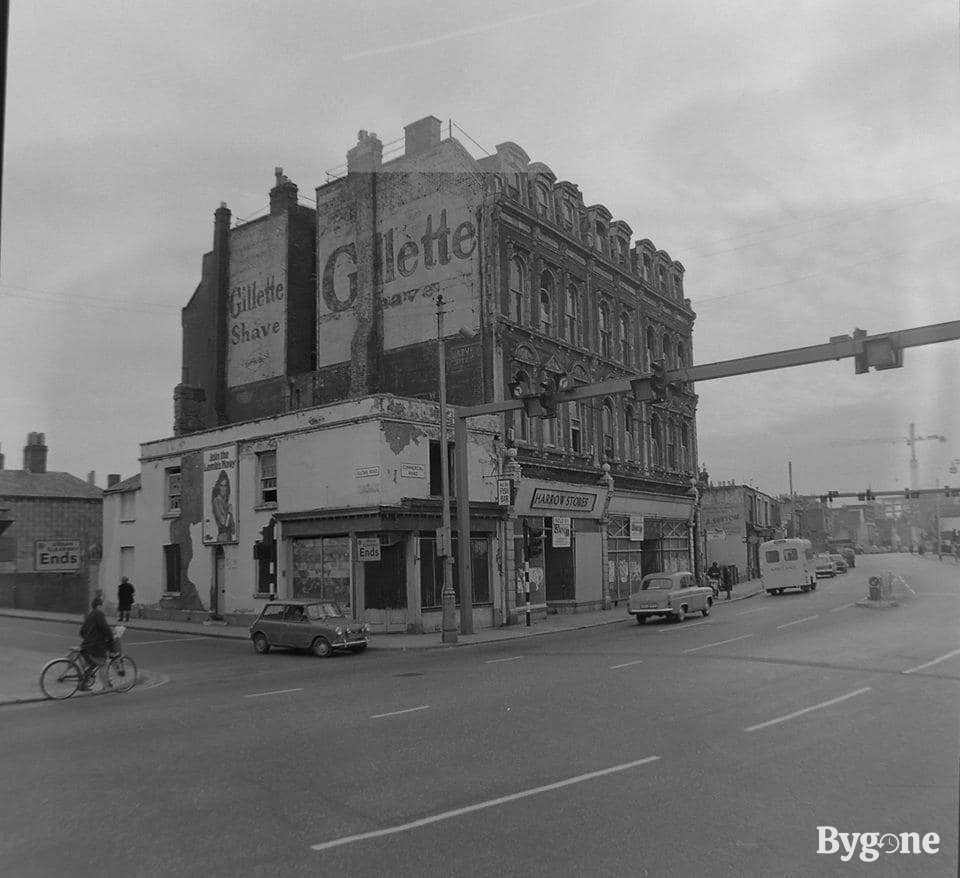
{"x":490,"y":803}
{"x":842,"y":607}
{"x":398,"y":712}
{"x":274,"y":692}
{"x":930,"y":664}
{"x":796,"y":713}
{"x":626,"y":664}
{"x":512,"y":658}
{"x":718,"y":643}
{"x":683,"y":627}
{"x":168,"y":640}
{"x":798,"y":621}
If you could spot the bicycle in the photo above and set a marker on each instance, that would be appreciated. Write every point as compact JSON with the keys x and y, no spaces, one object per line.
{"x":62,"y":677}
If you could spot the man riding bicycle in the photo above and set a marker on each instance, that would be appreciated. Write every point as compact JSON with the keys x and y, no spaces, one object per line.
{"x":97,"y":643}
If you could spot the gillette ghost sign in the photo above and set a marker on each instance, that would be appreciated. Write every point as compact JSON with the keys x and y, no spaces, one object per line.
{"x":421,"y":252}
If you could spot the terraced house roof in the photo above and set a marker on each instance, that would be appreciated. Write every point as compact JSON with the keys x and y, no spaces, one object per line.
{"x":20,"y":483}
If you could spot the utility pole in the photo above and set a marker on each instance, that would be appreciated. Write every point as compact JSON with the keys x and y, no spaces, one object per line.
{"x":448,"y":599}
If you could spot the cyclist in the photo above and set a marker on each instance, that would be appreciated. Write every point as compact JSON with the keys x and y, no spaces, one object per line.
{"x":97,"y":643}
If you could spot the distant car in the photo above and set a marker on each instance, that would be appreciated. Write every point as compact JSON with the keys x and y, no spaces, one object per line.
{"x":824,"y":566}
{"x":673,"y":595}
{"x":319,"y":626}
{"x":839,"y":563}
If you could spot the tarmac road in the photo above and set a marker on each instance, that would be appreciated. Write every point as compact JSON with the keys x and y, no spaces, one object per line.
{"x":715,"y":747}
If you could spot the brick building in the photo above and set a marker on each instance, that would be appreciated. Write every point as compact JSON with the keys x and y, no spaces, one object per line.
{"x":306,"y":308}
{"x":735,"y":520}
{"x":51,"y":546}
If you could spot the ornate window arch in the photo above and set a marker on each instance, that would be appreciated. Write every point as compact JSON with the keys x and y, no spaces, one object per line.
{"x":651,"y":347}
{"x":656,"y":439}
{"x":603,"y":326}
{"x":545,"y":323}
{"x":607,"y":429}
{"x":626,"y":345}
{"x":667,"y":351}
{"x":630,"y":449}
{"x":573,"y":309}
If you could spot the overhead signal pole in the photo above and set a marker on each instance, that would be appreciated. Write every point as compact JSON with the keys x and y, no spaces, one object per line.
{"x":880,"y":352}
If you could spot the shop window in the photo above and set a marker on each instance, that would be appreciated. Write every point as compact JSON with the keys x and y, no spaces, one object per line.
{"x":517,"y":274}
{"x":267,"y":464}
{"x":385,"y":581}
{"x":171,"y":567}
{"x":172,"y":490}
{"x":436,"y":476}
{"x":321,"y":569}
{"x":431,"y":572}
{"x":626,"y":559}
{"x":603,"y":325}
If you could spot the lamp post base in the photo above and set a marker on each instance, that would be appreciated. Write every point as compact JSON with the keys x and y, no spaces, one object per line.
{"x":448,"y":603}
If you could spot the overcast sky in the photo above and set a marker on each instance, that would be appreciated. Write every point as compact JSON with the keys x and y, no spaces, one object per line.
{"x":800,"y":159}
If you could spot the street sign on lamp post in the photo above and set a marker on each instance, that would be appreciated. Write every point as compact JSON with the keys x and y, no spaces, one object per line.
{"x":448,"y":598}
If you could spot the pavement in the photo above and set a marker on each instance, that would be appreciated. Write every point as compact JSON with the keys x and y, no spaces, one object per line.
{"x":19,"y":673}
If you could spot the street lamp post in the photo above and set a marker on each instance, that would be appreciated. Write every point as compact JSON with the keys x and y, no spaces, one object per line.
{"x":448,"y":599}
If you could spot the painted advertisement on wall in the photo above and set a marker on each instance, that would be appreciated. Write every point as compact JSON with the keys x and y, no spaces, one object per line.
{"x":257,"y":305}
{"x":220,"y":495}
{"x":425,"y":248}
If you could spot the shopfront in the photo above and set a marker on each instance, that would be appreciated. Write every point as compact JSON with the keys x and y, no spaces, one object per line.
{"x":558,"y":543}
{"x":646,"y":534}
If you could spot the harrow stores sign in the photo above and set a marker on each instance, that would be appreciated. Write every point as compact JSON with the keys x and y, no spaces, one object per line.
{"x":426,"y":248}
{"x":256,"y":308}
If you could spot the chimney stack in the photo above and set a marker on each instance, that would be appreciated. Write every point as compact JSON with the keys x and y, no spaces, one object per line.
{"x":113,"y":479}
{"x":92,"y":477}
{"x":1,"y":461}
{"x":367,"y":155}
{"x":35,"y":453}
{"x":283,"y":196}
{"x":422,"y":135}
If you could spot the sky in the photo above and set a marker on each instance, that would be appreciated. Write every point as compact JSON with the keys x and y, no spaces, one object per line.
{"x":799,"y":159}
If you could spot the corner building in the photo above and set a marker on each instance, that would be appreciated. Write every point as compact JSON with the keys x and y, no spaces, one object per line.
{"x":306,"y":308}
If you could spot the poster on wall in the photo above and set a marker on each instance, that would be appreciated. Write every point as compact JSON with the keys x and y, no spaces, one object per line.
{"x":220,"y":495}
{"x":56,"y":555}
{"x":636,"y":528}
{"x":561,"y":532}
{"x":257,"y":304}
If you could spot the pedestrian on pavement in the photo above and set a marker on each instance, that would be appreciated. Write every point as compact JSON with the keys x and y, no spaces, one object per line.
{"x":124,"y":599}
{"x":97,"y":642}
{"x":727,"y":581}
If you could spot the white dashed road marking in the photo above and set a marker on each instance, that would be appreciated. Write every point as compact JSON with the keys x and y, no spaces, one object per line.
{"x":930,"y":664}
{"x":626,"y":664}
{"x":275,"y":692}
{"x":675,"y":628}
{"x":842,"y":607}
{"x":796,"y":713}
{"x":168,"y":640}
{"x":512,"y":658}
{"x":718,"y":643}
{"x":490,"y":803}
{"x":798,"y":621}
{"x":398,"y":712}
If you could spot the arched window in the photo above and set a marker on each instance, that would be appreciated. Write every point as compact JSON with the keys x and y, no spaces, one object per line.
{"x":517,"y":274}
{"x":573,"y":315}
{"x":549,"y":431}
{"x":629,"y":443}
{"x":567,"y":210}
{"x":656,"y":438}
{"x":543,"y":200}
{"x":546,"y":302}
{"x":667,"y":352}
{"x":685,"y":448}
{"x":672,"y":445}
{"x":576,"y":442}
{"x":626,"y":348}
{"x":599,"y":233}
{"x":606,"y":428}
{"x":603,"y":325}
{"x":520,"y":420}
{"x":647,"y":267}
{"x":664,"y":282}
{"x":681,"y":354}
{"x":651,"y":347}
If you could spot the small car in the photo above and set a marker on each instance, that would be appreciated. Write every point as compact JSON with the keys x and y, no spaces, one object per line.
{"x":824,"y":566}
{"x":673,"y":595}
{"x":839,"y":563}
{"x":319,"y":626}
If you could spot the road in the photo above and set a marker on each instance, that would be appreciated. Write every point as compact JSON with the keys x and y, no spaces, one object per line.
{"x":715,"y":747}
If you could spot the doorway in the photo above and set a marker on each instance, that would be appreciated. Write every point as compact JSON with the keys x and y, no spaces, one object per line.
{"x":219,"y":586}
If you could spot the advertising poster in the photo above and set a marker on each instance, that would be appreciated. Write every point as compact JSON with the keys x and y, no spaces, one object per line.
{"x":636,"y":528}
{"x":220,"y":495}
{"x":561,"y":532}
{"x":52,"y":556}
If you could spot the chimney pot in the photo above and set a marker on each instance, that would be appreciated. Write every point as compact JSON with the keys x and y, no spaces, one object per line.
{"x":35,"y":454}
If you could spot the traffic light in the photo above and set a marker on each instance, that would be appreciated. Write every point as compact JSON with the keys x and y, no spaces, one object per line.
{"x":551,"y":385}
{"x":911,"y":495}
{"x":950,"y":492}
{"x":869,"y":496}
{"x":519,"y":386}
{"x":880,"y":352}
{"x":828,"y":497}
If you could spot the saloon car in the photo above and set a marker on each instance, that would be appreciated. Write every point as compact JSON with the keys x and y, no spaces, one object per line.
{"x":825,"y":566}
{"x":673,"y":595}
{"x":319,"y":626}
{"x":839,"y":563}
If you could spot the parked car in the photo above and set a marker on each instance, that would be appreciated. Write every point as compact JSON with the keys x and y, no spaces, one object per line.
{"x":824,"y":566}
{"x":673,"y":595}
{"x":319,"y":626}
{"x":839,"y":563}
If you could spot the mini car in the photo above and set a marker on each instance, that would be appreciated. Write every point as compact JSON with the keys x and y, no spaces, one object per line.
{"x":824,"y":566}
{"x":673,"y":595}
{"x":319,"y":626}
{"x":839,"y":563}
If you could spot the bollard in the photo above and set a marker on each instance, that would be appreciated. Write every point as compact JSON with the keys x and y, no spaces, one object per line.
{"x":875,"y":583}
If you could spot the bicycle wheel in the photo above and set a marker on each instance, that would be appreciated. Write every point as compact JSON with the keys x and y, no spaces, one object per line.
{"x":122,"y":673}
{"x":60,"y":678}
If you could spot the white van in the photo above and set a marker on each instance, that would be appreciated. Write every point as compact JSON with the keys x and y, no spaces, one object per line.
{"x":787,"y":564}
